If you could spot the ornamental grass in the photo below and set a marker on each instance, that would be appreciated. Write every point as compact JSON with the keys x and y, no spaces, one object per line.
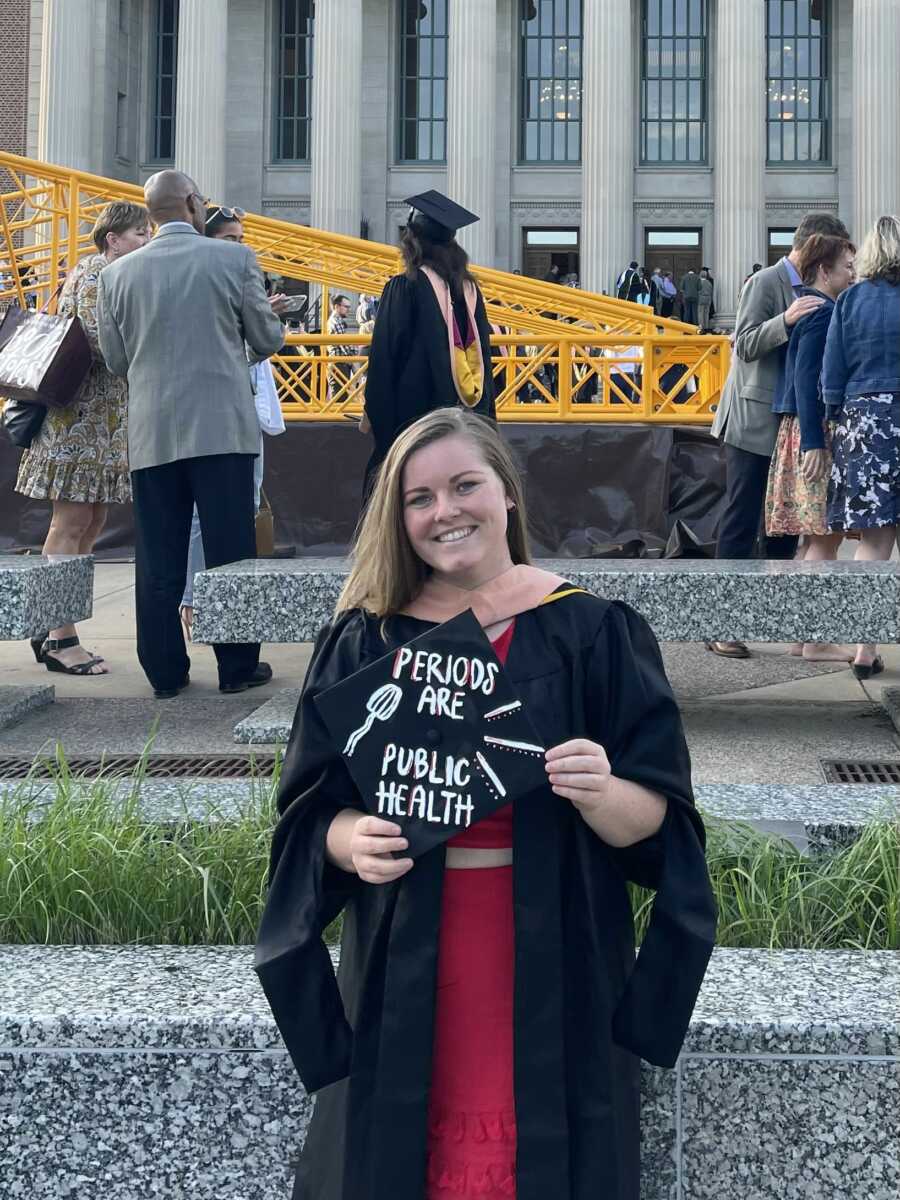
{"x":80,"y":864}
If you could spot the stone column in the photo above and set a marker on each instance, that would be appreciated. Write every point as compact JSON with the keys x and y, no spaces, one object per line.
{"x":876,"y":126}
{"x":740,"y":147}
{"x":607,"y":144}
{"x":200,"y":97}
{"x":471,"y":121}
{"x":336,"y":200}
{"x":67,"y":118}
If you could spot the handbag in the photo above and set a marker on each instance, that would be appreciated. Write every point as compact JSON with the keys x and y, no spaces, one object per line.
{"x":43,"y":358}
{"x":265,"y":528}
{"x":22,"y":422}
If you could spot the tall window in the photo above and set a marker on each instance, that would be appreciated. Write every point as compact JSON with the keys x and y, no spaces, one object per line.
{"x":673,"y":81}
{"x":550,"y":46}
{"x":165,"y":80}
{"x":294,"y":71}
{"x":799,"y":102}
{"x":423,"y":81}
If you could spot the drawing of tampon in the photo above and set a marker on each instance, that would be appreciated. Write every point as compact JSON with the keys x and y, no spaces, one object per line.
{"x":507,"y":744}
{"x":382,"y":705}
{"x":492,"y":776}
{"x":503,"y":711}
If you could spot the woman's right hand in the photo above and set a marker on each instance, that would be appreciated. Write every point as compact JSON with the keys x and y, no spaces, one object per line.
{"x":372,"y":843}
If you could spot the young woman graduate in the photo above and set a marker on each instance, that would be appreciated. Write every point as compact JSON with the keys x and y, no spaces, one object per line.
{"x":431,"y":342}
{"x":483,"y":1033}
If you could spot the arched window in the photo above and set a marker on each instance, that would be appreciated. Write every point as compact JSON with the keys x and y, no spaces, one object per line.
{"x":294,"y":78}
{"x":422,"y":128}
{"x":799,"y":101}
{"x":165,"y":72}
{"x":550,"y":107}
{"x":673,"y":81}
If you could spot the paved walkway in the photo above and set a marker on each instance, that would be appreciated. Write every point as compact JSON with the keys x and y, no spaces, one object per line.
{"x":739,"y":727}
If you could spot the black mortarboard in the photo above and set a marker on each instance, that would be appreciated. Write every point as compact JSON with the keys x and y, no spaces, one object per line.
{"x":434,"y":734}
{"x":437,"y":216}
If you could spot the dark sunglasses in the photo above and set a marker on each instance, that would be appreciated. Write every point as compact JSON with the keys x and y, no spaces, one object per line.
{"x":230,"y":214}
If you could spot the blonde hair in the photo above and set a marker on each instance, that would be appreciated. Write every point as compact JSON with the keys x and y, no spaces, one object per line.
{"x":387,"y":573}
{"x":118,"y":217}
{"x":879,"y":256}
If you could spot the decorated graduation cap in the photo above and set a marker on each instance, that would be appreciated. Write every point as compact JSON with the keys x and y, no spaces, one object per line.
{"x":437,"y":216}
{"x":434,"y":734}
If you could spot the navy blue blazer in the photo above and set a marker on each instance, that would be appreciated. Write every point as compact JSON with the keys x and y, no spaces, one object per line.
{"x":800,"y":393}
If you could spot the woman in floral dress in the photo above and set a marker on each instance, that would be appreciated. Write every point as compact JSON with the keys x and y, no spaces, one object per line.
{"x":79,"y":459}
{"x":861,"y":389}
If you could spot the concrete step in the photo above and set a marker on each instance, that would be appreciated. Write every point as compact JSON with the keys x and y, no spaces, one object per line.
{"x":816,"y":818}
{"x":17,"y":702}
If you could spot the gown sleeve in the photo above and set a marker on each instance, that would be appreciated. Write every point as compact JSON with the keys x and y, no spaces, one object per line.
{"x":391,"y":337}
{"x":306,"y":891}
{"x":633,"y":710}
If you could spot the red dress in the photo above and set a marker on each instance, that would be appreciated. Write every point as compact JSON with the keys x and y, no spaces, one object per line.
{"x":471,"y":1109}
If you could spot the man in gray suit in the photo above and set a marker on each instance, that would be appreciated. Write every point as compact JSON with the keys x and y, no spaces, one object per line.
{"x":174,"y":322}
{"x":769,"y":306}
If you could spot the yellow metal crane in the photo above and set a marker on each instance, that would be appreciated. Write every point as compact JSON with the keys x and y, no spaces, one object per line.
{"x":559,"y":353}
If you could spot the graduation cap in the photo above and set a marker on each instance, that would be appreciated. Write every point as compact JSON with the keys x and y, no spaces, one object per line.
{"x":434,"y":734}
{"x":437,"y":216}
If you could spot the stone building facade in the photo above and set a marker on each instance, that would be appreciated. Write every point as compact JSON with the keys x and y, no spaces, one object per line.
{"x":585,"y":132}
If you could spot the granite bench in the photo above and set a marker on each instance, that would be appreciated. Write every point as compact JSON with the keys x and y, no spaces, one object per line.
{"x":38,"y":593}
{"x":817,"y":818}
{"x":685,"y":600}
{"x":157,"y":1071}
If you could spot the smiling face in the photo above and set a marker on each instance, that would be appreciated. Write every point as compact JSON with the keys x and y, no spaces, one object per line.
{"x":455,"y":512}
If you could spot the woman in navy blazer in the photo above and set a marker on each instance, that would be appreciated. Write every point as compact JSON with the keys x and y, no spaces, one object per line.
{"x":861,"y":388}
{"x":798,"y":477}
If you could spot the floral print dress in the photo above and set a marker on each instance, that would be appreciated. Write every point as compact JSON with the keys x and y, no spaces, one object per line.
{"x":81,"y":451}
{"x":864,"y":489}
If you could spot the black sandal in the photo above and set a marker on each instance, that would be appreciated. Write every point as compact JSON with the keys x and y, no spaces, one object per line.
{"x":53,"y":664}
{"x":867,"y":670}
{"x":37,"y":646}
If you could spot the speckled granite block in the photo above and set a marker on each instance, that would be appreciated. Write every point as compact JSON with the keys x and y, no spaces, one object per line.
{"x":890,"y":702}
{"x":683,"y":599}
{"x":128,"y":1125}
{"x":157,"y":1071}
{"x":17,"y":702}
{"x":788,"y":1129}
{"x":38,"y":593}
{"x":271,"y":723}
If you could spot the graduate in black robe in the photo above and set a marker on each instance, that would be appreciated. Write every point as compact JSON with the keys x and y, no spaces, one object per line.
{"x":585,"y":1010}
{"x":409,"y":371}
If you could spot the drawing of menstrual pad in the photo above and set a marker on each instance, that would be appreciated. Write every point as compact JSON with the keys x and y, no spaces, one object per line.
{"x":434,"y":734}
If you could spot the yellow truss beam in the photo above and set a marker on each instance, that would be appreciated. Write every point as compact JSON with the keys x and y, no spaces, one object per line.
{"x":47,"y":211}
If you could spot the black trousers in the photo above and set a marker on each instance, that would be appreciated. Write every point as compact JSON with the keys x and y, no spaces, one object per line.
{"x":221,"y":485}
{"x":689,"y":311}
{"x":746,"y":476}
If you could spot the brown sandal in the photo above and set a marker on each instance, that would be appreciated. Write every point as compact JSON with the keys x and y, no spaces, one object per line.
{"x":728,"y":649}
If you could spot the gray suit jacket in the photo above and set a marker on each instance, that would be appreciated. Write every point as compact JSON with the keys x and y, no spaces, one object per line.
{"x":745,"y":418}
{"x":173,"y":318}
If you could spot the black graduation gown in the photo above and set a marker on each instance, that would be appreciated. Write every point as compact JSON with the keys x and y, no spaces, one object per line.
{"x":583,"y":1009}
{"x":408,"y":372}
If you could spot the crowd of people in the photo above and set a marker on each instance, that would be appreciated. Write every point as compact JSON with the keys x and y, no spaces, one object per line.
{"x":692,"y":299}
{"x":810,"y":414}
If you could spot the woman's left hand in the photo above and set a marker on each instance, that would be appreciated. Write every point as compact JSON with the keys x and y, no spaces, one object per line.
{"x":814,"y":465}
{"x":579,"y":771}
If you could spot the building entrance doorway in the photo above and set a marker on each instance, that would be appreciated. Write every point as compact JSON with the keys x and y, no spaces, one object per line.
{"x":675,"y":250}
{"x":546,"y":248}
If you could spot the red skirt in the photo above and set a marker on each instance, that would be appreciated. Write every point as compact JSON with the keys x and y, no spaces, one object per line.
{"x":471,"y":1111}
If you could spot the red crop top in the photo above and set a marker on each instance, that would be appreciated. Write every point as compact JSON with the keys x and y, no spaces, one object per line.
{"x":494,"y":832}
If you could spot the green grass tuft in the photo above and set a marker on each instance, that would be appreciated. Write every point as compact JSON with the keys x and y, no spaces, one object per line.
{"x":83,"y":867}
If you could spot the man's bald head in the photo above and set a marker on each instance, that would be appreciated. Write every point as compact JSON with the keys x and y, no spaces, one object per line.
{"x":173,"y":196}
